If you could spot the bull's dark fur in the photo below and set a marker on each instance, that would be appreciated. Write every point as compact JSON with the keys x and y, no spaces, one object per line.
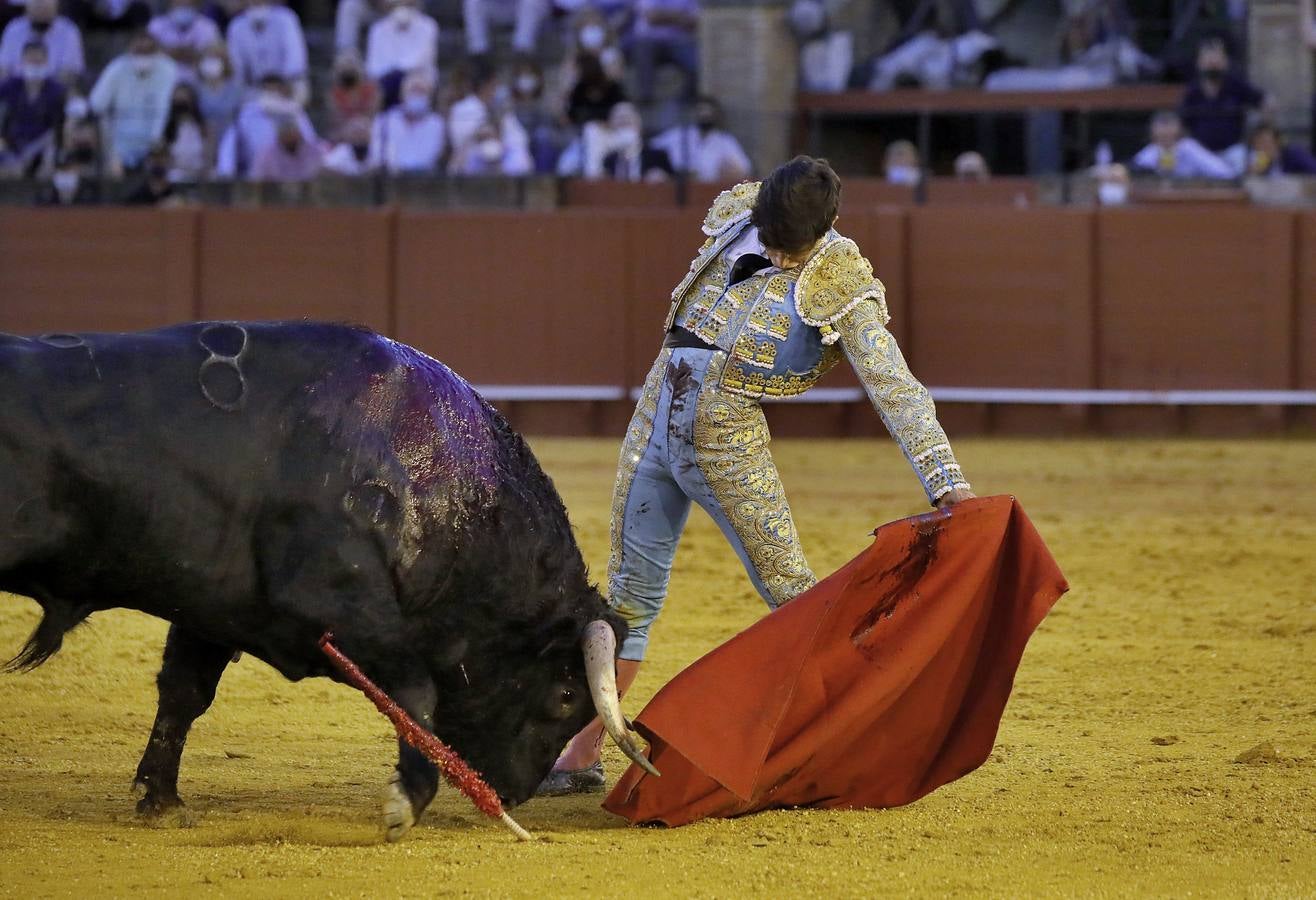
{"x":257,"y":485}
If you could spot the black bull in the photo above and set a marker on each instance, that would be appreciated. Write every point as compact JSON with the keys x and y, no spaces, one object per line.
{"x":257,"y":485}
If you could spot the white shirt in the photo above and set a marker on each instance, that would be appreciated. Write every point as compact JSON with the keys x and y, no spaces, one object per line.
{"x":1187,"y":159}
{"x":341,"y":160}
{"x":63,"y":46}
{"x":402,"y":43}
{"x":400,"y":144}
{"x":708,"y":154}
{"x":175,"y":33}
{"x":276,"y":48}
{"x":465,"y":118}
{"x":133,"y":105}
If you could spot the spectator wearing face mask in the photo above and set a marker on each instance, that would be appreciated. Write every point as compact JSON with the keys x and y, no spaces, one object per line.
{"x":901,"y":163}
{"x":257,"y":126}
{"x":539,"y":123}
{"x":403,"y":41}
{"x":1171,"y":154}
{"x":80,"y":137}
{"x":351,"y":155}
{"x":524,"y":16}
{"x":591,"y":33}
{"x":487,"y":101}
{"x":703,"y":149}
{"x":595,"y":94}
{"x":617,"y":150}
{"x":411,"y":137}
{"x":69,"y":186}
{"x":1215,"y":105}
{"x":31,"y":106}
{"x":43,"y":24}
{"x":291,"y":157}
{"x":267,"y":39}
{"x":219,"y":95}
{"x":663,"y":31}
{"x":188,"y":150}
{"x":352,"y":96}
{"x":185,"y":34}
{"x":492,"y":150}
{"x":132,"y":99}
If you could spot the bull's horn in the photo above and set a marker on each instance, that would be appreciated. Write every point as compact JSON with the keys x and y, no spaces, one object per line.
{"x":599,"y":644}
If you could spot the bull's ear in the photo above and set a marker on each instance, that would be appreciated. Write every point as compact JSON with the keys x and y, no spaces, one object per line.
{"x":557,"y":635}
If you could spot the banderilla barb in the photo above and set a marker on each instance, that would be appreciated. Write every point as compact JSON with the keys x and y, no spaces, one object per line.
{"x":454,"y":768}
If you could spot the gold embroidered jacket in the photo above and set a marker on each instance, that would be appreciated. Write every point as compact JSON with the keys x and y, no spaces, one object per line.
{"x":782,"y":330}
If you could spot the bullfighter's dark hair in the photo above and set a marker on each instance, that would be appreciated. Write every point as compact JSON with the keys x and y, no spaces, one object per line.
{"x":797,"y":204}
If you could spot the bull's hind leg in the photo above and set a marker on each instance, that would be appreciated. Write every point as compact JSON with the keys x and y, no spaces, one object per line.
{"x":187,"y":681}
{"x":415,"y":781}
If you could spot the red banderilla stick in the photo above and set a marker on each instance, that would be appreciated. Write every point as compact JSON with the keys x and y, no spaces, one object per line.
{"x":454,"y":768}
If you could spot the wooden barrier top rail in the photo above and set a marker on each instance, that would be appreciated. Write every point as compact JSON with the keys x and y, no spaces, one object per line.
{"x":1131,"y":98}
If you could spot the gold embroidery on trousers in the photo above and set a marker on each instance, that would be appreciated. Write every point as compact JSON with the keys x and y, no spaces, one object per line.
{"x":632,"y":451}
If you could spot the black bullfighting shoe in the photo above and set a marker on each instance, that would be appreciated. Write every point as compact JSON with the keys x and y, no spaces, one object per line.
{"x":588,"y":780}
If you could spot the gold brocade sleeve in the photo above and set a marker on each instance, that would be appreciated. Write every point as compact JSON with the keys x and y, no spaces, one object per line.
{"x":901,"y":400}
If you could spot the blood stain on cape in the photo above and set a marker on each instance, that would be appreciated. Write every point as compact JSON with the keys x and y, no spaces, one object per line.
{"x":921,"y":555}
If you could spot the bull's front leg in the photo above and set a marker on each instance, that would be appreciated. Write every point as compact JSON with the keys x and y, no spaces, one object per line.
{"x":415,"y":781}
{"x":188,"y":677}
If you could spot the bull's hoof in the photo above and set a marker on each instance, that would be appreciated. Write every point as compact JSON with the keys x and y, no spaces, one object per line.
{"x":398,"y":814}
{"x":156,"y":806}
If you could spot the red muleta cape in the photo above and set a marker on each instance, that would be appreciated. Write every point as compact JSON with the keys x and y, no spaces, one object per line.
{"x":880,"y":684}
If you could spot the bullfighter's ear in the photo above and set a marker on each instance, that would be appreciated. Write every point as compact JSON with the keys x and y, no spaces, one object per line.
{"x":559,"y":634}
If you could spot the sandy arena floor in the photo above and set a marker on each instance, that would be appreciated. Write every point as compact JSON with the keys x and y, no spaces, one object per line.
{"x":1189,"y":639}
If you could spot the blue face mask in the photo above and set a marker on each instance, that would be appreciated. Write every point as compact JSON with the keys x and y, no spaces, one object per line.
{"x":416,"y":103}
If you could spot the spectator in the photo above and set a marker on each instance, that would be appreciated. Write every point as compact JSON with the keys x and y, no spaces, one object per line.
{"x":595,"y":94}
{"x":403,"y":41}
{"x":43,"y":23}
{"x":1112,"y":184}
{"x":219,"y":96}
{"x":156,"y":188}
{"x":188,"y":149}
{"x":1174,"y":155}
{"x":664,"y":32}
{"x":591,"y":33}
{"x":411,"y":137}
{"x":351,"y":155}
{"x":492,"y":150}
{"x":487,"y":99}
{"x":1216,"y":102}
{"x":257,"y":125}
{"x":970,"y":166}
{"x":132,"y":99}
{"x":110,"y":15}
{"x":523,"y":15}
{"x":185,"y":34}
{"x":626,"y":157}
{"x":1267,"y":155}
{"x":901,"y":163}
{"x":31,"y":106}
{"x":528,"y":106}
{"x":703,"y":149}
{"x":352,"y":96}
{"x":267,"y":39}
{"x":291,"y":157}
{"x":937,"y":59}
{"x":69,"y":186}
{"x":351,"y":18}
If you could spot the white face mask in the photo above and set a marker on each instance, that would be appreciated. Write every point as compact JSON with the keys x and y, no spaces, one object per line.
{"x":627,"y":136}
{"x":183,"y":16}
{"x":902,"y":175}
{"x":211,"y":67}
{"x":143,"y":65}
{"x":403,"y":15}
{"x":33,"y":71}
{"x":592,"y":37}
{"x":65,"y":182}
{"x":527,"y":83}
{"x":416,"y":103}
{"x":76,"y":109}
{"x":1112,"y":193}
{"x":259,"y":15}
{"x":491,"y":150}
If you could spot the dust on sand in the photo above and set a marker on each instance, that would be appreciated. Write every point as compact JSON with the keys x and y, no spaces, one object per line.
{"x":1161,"y":738}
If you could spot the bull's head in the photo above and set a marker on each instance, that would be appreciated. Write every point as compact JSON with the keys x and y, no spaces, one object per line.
{"x":511,"y":715}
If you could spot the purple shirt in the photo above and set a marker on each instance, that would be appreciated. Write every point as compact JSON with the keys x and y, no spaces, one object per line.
{"x":27,"y":119}
{"x":1217,"y":122}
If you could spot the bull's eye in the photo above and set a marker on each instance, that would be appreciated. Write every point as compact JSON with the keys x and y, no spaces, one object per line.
{"x":568,"y":696}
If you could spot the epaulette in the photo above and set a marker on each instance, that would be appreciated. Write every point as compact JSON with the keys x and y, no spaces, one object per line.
{"x":730,"y":207}
{"x":832,"y":282}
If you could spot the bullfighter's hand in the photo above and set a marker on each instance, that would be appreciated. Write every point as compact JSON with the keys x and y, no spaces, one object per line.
{"x":951,"y":497}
